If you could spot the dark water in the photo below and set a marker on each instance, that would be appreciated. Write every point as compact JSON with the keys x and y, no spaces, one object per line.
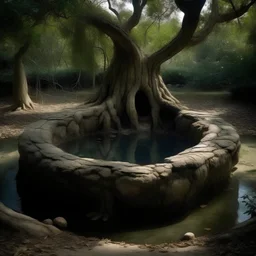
{"x":220,"y":214}
{"x":8,"y":171}
{"x":140,"y":148}
{"x":8,"y":191}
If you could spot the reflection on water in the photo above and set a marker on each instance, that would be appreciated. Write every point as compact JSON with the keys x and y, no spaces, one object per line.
{"x":141,"y":148}
{"x":220,"y":214}
{"x":8,"y":171}
{"x":8,"y":191}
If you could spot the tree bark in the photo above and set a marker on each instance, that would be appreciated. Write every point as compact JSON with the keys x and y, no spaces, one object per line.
{"x":128,"y":74}
{"x":21,"y":97}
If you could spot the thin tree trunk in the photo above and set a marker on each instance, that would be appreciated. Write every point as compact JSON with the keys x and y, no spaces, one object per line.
{"x":20,"y":86}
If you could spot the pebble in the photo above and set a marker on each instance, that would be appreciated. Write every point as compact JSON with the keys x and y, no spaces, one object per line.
{"x":188,"y":236}
{"x":60,"y":222}
{"x":48,"y":221}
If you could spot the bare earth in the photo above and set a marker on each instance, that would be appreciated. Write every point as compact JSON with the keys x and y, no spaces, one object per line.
{"x":242,"y":116}
{"x":67,"y":244}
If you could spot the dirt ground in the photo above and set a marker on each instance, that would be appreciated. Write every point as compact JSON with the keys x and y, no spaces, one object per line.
{"x":242,"y":116}
{"x":13,"y":123}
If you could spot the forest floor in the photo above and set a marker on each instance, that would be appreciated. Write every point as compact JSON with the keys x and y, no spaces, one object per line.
{"x":242,"y":116}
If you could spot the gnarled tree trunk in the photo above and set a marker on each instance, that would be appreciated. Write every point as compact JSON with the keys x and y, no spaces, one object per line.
{"x":133,"y":86}
{"x":133,"y":92}
{"x":21,"y":97}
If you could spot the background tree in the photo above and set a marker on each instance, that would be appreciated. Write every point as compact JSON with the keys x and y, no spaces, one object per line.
{"x":19,"y":25}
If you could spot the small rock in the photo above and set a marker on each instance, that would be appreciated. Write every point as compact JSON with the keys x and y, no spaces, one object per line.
{"x":188,"y":236}
{"x":48,"y":221}
{"x":60,"y":222}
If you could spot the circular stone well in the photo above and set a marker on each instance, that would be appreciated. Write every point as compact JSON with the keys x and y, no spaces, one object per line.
{"x":49,"y":177}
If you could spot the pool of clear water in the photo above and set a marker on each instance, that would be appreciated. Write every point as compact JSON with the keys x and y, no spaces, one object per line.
{"x":218,"y":215}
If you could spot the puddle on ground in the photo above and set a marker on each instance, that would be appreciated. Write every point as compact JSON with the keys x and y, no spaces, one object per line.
{"x":219,"y":215}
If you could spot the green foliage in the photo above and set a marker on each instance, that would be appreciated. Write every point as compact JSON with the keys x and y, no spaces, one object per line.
{"x":154,"y":6}
{"x":152,"y":35}
{"x":83,"y":46}
{"x":161,"y":9}
{"x":250,"y":203}
{"x":56,"y":54}
{"x":19,"y":19}
{"x":54,"y":42}
{"x":84,"y":41}
{"x":175,"y":76}
{"x":69,"y":79}
{"x":224,"y":61}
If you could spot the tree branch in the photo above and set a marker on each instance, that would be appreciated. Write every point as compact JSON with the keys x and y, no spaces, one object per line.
{"x":216,"y":18}
{"x":234,"y":14}
{"x":234,"y":8}
{"x":189,"y":25}
{"x":158,"y":17}
{"x":209,"y":25}
{"x":114,"y":10}
{"x":119,"y":37}
{"x":133,"y":21}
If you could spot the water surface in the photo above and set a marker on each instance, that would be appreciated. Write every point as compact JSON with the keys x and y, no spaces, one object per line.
{"x":140,"y":148}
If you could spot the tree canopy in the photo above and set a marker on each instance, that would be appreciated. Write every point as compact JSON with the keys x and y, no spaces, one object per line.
{"x":20,"y":20}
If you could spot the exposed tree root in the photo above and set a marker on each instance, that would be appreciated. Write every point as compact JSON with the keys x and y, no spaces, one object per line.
{"x":26,"y":105}
{"x":120,"y":105}
{"x":23,"y":223}
{"x":122,"y":82}
{"x":112,"y":113}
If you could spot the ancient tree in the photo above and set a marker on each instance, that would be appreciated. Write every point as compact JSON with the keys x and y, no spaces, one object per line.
{"x":133,"y":81}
